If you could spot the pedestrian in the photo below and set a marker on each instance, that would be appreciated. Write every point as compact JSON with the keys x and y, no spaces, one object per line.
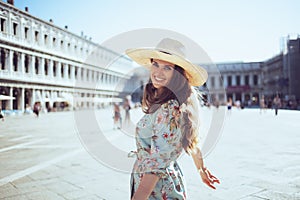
{"x":127,"y":107}
{"x":170,"y":124}
{"x":36,"y":109}
{"x":276,"y":104}
{"x":117,"y":116}
{"x":1,"y":114}
{"x":229,"y":105}
{"x":262,"y":104}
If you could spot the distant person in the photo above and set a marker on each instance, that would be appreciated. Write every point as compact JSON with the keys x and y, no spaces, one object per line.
{"x":229,"y":105}
{"x":238,"y":104}
{"x":117,"y":116}
{"x":1,"y":114}
{"x":36,"y":109}
{"x":276,"y":104}
{"x":127,"y":107}
{"x":262,"y":104}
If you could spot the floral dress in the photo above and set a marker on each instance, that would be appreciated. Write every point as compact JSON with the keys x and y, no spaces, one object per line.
{"x":158,"y":141}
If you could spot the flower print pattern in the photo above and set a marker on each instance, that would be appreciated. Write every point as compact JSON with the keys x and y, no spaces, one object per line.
{"x":158,"y":141}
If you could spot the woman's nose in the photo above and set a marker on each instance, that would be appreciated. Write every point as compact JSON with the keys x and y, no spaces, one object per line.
{"x":158,"y":70}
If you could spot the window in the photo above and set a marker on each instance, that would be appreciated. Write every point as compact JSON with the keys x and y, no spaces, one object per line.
{"x":46,"y":39}
{"x":36,"y":65}
{"x":46,"y":67}
{"x":15,"y":61}
{"x":2,"y":24}
{"x":238,"y":80}
{"x":26,"y":64}
{"x":247,"y":80}
{"x":69,"y":71}
{"x":36,"y":36}
{"x":54,"y":68}
{"x":15,"y":28}
{"x":229,"y":80}
{"x":76,"y":72}
{"x":26,"y":29}
{"x":62,"y":70}
{"x":2,"y":59}
{"x":255,"y":79}
{"x":54,"y":41}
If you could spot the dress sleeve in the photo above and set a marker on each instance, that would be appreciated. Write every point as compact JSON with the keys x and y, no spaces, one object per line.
{"x":166,"y":139}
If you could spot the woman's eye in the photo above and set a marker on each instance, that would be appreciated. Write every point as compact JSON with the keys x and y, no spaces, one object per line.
{"x":168,"y":68}
{"x":155,"y":65}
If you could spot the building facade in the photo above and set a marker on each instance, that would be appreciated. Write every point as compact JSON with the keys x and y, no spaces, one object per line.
{"x":43,"y":63}
{"x":292,"y":67}
{"x":238,"y":81}
{"x":248,"y":82}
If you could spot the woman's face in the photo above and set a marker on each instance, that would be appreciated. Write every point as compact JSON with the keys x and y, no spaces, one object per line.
{"x":161,"y":73}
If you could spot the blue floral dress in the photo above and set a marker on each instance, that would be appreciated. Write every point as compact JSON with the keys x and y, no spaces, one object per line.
{"x":158,"y":141}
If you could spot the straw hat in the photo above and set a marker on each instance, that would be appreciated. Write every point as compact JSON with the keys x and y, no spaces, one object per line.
{"x":171,"y":51}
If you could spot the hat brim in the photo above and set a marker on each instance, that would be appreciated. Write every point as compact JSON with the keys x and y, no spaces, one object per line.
{"x":196,"y":75}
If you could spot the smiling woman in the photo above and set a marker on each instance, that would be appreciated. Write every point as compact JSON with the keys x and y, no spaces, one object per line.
{"x":170,"y":124}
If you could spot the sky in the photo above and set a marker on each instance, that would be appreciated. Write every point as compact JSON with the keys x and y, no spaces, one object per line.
{"x":229,"y":31}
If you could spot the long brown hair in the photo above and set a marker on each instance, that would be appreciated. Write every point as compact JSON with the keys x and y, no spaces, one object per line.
{"x":178,"y":89}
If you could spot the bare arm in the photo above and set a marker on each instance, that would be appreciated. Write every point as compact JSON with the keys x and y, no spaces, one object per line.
{"x":146,"y":186}
{"x":206,"y":176}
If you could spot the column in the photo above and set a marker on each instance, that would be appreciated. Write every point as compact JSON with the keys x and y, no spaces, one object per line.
{"x":42,"y":100}
{"x":6,"y":62}
{"x":90,"y":76}
{"x":233,"y":79}
{"x":251,"y":80}
{"x":58,"y":70}
{"x":10,"y":102}
{"x":50,"y":68}
{"x":33,"y":98}
{"x":66,"y":75}
{"x":79,"y":74}
{"x":32,"y":65}
{"x":84,"y":74}
{"x":259,"y":82}
{"x":42,"y":67}
{"x":243,"y":97}
{"x":22,"y":100}
{"x":10,"y":61}
{"x":72,"y":72}
{"x":225,"y":83}
{"x":233,"y":98}
{"x":22,"y":64}
{"x":242,"y":79}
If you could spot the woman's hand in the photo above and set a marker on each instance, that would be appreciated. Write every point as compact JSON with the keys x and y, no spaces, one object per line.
{"x":208,"y":178}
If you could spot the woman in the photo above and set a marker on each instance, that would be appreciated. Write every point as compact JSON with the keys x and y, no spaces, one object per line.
{"x":170,"y":124}
{"x":117,"y":116}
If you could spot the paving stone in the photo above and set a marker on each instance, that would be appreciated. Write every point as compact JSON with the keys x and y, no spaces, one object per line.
{"x":253,"y":160}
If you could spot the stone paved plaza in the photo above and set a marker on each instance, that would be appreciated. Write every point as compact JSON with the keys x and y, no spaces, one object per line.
{"x":257,"y":157}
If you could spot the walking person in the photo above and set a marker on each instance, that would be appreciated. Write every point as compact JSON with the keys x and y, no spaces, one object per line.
{"x":127,"y":107}
{"x":170,"y":124}
{"x":36,"y":109}
{"x":276,"y":104}
{"x":229,"y":105}
{"x":262,"y":104}
{"x":117,"y":116}
{"x":1,"y":115}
